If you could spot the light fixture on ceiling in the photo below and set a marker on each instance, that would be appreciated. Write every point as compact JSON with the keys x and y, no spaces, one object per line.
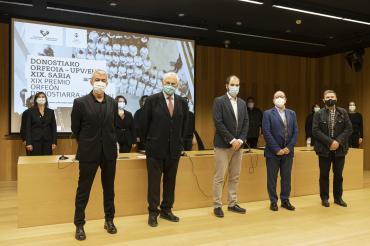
{"x":251,"y":1}
{"x":181,"y":14}
{"x":298,"y":22}
{"x":356,"y":21}
{"x":307,"y":12}
{"x":113,"y":4}
{"x":321,"y":14}
{"x":17,"y":3}
{"x":238,"y":23}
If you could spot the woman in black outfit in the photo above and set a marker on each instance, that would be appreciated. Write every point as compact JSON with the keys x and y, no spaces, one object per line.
{"x":356,"y":119}
{"x":308,"y":125}
{"x":41,"y":128}
{"x":126,"y":136}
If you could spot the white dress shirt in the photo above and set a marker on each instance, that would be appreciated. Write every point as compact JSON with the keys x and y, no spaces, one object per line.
{"x":234,"y":104}
{"x":282,"y":114}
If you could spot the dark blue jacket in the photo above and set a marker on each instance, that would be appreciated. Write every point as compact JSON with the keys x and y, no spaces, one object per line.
{"x":274,"y":132}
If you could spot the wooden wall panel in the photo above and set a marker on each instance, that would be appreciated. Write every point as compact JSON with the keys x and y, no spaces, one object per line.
{"x":303,"y":79}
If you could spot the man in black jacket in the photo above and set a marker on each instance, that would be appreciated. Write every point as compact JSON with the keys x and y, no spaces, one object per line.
{"x":230,"y":117}
{"x":255,"y":123}
{"x":163,"y":126}
{"x":93,"y":120}
{"x":331,"y":128}
{"x":137,"y":123}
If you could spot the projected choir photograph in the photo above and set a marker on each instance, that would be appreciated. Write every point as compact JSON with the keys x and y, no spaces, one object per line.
{"x":59,"y":60}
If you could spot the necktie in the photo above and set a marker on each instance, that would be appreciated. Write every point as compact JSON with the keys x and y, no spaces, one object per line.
{"x":170,"y":105}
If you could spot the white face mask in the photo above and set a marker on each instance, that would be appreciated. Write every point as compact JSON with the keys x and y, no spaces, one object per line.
{"x":316,"y":109}
{"x":279,"y":102}
{"x":99,"y":87}
{"x":41,"y":101}
{"x":250,"y":105}
{"x":352,"y":108}
{"x":121,"y":105}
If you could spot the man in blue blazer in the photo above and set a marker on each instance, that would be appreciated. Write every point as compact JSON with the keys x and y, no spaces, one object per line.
{"x":280,"y":130}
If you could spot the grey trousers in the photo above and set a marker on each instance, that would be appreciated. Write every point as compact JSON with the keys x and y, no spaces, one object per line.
{"x":226,"y":159}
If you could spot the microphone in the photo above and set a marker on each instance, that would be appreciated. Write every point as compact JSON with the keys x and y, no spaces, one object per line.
{"x":63,"y":157}
{"x":249,"y":150}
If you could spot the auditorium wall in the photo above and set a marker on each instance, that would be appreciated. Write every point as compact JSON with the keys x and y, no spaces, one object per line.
{"x":303,"y":80}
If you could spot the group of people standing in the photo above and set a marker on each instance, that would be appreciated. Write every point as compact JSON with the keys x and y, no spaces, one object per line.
{"x":99,"y":122}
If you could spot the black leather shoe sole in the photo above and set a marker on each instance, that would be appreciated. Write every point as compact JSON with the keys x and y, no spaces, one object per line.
{"x":153,"y":223}
{"x":172,"y":219}
{"x":342,"y":204}
{"x":274,"y":208}
{"x":325,"y":204}
{"x":218,"y":214}
{"x":231,"y":209}
{"x":80,"y":236}
{"x":110,"y":230}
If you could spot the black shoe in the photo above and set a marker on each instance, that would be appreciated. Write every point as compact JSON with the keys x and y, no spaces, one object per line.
{"x":340,"y":202}
{"x":80,"y":233}
{"x":152,"y":220}
{"x":237,"y":209}
{"x":169,"y":216}
{"x":274,"y":206}
{"x":325,"y":203}
{"x":286,"y":204}
{"x":218,"y":212}
{"x":110,"y":227}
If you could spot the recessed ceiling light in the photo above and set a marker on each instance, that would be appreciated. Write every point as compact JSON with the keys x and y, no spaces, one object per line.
{"x":331,"y":37}
{"x":113,"y":4}
{"x":298,"y":22}
{"x":251,"y":1}
{"x":288,"y":31}
{"x":181,"y":14}
{"x":238,"y":23}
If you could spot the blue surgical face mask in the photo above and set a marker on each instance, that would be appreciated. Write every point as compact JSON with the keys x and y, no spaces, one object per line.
{"x":233,"y":90}
{"x":169,"y":89}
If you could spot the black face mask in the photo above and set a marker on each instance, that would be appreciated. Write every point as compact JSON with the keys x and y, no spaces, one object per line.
{"x":330,"y":102}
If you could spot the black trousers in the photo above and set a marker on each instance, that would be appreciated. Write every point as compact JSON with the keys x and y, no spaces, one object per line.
{"x":353,"y":141}
{"x":338,"y":165}
{"x":284,"y":164}
{"x":157,"y":167}
{"x":252,"y":142}
{"x":188,"y":144}
{"x":41,"y":147}
{"x":85,"y":181}
{"x":124,"y":148}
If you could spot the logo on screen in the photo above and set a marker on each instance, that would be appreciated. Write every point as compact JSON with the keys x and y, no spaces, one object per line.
{"x":44,"y":32}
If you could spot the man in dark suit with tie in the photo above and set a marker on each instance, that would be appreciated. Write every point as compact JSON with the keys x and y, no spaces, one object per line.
{"x":230,"y":117}
{"x":94,"y":123}
{"x":280,"y":130}
{"x":163,"y":126}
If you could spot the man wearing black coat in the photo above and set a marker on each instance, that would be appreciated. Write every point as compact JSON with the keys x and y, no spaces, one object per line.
{"x":163,"y":126}
{"x":255,"y":123}
{"x":331,"y":128}
{"x":93,"y":120}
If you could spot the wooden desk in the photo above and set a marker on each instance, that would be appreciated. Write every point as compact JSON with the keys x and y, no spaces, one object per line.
{"x":47,"y":186}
